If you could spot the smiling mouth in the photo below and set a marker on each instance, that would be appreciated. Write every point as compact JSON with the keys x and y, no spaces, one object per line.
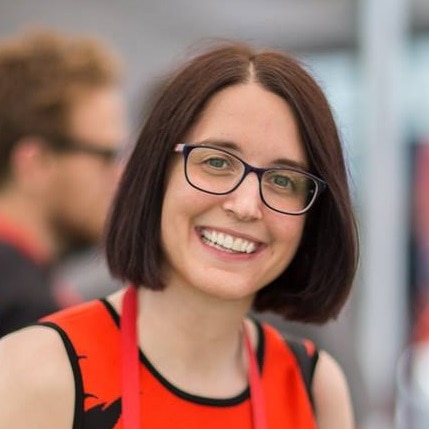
{"x":227,"y":243}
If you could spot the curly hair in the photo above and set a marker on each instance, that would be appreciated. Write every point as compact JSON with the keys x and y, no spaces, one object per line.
{"x":42,"y":72}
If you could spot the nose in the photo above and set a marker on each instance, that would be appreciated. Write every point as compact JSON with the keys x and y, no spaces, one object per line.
{"x":111,"y":176}
{"x":118,"y":170}
{"x":245,"y":202}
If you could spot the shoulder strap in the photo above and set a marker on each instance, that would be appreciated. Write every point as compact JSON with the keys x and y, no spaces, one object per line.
{"x":307,"y":359}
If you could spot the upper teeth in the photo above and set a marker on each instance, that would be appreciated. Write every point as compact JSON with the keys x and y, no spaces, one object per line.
{"x":229,"y":242}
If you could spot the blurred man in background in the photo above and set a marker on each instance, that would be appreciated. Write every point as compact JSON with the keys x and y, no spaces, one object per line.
{"x":62,"y":121}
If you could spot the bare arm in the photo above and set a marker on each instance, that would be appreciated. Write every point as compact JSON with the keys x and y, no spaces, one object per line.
{"x":36,"y":381}
{"x":331,"y":395}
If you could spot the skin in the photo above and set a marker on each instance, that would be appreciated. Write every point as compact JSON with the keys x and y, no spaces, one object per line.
{"x":233,"y":118}
{"x":208,"y":293}
{"x":68,"y":194}
{"x":83,"y":184}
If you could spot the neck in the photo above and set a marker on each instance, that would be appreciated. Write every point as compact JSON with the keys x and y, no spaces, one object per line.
{"x":202,"y":347}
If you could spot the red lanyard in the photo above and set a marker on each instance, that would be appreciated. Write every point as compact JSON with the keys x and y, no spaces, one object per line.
{"x":130,"y":369}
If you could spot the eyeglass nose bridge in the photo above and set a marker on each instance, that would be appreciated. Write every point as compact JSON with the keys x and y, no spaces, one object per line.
{"x":259,"y":173}
{"x":247,"y":170}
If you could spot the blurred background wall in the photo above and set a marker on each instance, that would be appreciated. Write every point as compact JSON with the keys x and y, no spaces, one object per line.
{"x":372,"y":58}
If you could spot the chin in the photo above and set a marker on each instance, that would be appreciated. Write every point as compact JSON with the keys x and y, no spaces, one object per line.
{"x":226,"y":287}
{"x":78,"y":242}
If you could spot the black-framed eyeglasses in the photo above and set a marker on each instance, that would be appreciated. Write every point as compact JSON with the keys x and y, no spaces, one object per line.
{"x":216,"y":171}
{"x":72,"y":145}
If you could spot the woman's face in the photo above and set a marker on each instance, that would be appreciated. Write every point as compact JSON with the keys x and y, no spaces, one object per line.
{"x":257,"y":126}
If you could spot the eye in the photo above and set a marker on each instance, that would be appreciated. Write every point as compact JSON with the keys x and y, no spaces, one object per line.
{"x":217,"y":162}
{"x":281,"y":180}
{"x":213,"y":161}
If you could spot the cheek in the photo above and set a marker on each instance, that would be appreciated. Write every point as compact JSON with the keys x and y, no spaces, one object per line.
{"x":172,"y":201}
{"x":82,"y":190}
{"x":289,"y":234}
{"x":179,"y":197}
{"x":182,"y":207}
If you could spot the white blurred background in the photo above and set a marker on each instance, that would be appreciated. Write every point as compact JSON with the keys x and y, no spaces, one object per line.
{"x":372,"y":59}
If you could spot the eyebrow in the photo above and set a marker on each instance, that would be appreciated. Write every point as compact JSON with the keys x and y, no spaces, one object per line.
{"x":228,"y":144}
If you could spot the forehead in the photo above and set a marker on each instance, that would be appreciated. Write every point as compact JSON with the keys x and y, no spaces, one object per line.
{"x":99,"y":116}
{"x":260,"y":124}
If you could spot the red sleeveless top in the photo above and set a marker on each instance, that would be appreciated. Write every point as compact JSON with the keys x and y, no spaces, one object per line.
{"x":91,"y":335}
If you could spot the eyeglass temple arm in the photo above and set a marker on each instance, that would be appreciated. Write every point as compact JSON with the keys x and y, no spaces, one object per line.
{"x":179,"y":147}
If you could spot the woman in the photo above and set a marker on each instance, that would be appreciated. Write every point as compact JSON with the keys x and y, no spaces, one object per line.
{"x":234,"y":198}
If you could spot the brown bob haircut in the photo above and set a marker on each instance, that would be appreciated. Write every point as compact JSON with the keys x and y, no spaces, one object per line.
{"x":315,"y":285}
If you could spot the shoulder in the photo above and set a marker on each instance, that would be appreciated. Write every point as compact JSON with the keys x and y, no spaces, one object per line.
{"x":36,"y":372}
{"x":331,"y":395}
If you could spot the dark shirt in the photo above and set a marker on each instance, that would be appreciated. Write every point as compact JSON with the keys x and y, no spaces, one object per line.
{"x":25,"y":289}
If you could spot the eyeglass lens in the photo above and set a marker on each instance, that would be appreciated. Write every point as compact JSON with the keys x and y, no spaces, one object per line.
{"x":219,"y":172}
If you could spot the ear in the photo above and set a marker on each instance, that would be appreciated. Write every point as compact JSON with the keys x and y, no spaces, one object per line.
{"x":31,"y":163}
